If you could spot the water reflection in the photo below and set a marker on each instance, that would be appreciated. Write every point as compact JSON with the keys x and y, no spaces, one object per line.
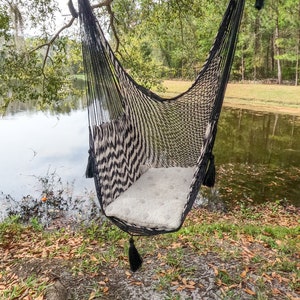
{"x":258,"y":155}
{"x":36,"y":143}
{"x":73,"y":102}
{"x":254,"y":137}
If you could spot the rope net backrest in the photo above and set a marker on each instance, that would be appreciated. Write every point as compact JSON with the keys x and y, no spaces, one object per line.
{"x":131,"y":127}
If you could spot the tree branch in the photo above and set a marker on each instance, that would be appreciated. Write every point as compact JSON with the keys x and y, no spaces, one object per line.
{"x":49,"y":44}
{"x":113,"y":28}
{"x":101,"y":4}
{"x":106,"y":3}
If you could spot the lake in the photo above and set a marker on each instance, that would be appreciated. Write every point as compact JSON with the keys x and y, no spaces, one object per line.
{"x":258,"y":155}
{"x":42,"y":145}
{"x":42,"y":148}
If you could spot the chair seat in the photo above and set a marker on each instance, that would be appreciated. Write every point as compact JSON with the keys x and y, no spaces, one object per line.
{"x":156,"y":200}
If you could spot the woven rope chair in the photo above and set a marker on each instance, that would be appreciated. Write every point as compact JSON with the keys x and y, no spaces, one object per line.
{"x":150,"y":155}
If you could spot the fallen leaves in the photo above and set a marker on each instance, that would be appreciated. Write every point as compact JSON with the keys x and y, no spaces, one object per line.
{"x":249,"y":292}
{"x":184,"y":284}
{"x":244,"y":273}
{"x":233,"y":260}
{"x":21,"y":289}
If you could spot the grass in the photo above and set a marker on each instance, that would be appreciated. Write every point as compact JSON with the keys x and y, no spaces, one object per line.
{"x":249,"y":252}
{"x":236,"y":255}
{"x":242,"y":250}
{"x":262,"y":97}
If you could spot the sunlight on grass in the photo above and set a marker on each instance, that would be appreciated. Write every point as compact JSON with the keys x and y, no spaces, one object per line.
{"x":279,"y":98}
{"x":280,"y":94}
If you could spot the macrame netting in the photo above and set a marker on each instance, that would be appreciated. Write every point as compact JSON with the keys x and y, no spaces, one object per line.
{"x":134,"y":132}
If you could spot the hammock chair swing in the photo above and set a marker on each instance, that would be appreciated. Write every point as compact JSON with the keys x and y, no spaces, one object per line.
{"x":149,"y":155}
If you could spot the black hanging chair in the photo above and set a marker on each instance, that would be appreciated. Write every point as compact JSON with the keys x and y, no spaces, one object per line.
{"x":149,"y":155}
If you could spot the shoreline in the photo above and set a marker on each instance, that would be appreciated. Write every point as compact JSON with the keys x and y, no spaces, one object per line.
{"x":263,"y":108}
{"x":258,"y":97}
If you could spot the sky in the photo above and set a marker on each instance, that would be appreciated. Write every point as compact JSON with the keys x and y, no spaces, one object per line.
{"x":62,"y":18}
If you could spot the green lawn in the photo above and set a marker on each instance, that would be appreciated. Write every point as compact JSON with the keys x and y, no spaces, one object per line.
{"x":279,"y":98}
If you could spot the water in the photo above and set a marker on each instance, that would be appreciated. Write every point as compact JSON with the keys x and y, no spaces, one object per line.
{"x":43,"y":145}
{"x":258,"y":138}
{"x":258,"y":157}
{"x":35,"y":145}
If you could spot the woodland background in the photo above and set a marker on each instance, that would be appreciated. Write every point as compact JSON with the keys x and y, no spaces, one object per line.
{"x":154,"y":39}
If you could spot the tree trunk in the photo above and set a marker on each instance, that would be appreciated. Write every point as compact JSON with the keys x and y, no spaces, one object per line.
{"x":243,"y":67}
{"x":297,"y":52}
{"x":297,"y":61}
{"x":277,"y":53}
{"x":256,"y":47}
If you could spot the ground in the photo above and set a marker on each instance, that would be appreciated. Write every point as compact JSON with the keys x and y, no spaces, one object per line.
{"x":275,"y":98}
{"x":238,"y":254}
{"x":241,"y":251}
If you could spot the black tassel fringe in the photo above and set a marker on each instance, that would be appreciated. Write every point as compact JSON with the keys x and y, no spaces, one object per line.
{"x":135,"y":259}
{"x":210,"y":176}
{"x":259,"y":4}
{"x":89,"y":173}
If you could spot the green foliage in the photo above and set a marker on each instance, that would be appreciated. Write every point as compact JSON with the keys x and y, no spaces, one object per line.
{"x":35,"y":224}
{"x":178,"y":36}
{"x":28,"y":76}
{"x":172,"y":39}
{"x":32,"y":69}
{"x":157,"y":39}
{"x":4,"y":24}
{"x":10,"y":228}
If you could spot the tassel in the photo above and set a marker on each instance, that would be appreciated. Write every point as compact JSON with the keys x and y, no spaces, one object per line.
{"x":210,"y":176}
{"x":89,"y":173}
{"x":135,"y":259}
{"x":259,"y":4}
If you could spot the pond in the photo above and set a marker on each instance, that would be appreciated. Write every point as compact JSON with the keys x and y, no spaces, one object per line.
{"x":40,"y":149}
{"x":257,"y":154}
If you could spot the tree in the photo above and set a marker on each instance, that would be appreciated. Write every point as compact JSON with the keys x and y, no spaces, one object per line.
{"x":154,"y":39}
{"x":35,"y":65}
{"x":290,"y":18}
{"x":178,"y":34}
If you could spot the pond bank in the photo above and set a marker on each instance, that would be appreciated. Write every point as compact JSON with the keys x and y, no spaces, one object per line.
{"x":281,"y":99}
{"x":244,"y":252}
{"x":256,"y":106}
